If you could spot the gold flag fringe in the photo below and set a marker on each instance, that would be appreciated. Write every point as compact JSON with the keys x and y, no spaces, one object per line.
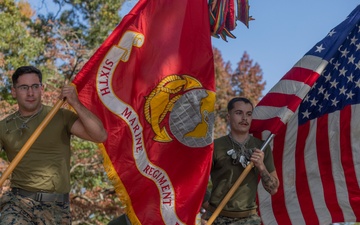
{"x":119,"y":187}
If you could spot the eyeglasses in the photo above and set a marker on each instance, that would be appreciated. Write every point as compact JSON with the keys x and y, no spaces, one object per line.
{"x":24,"y":87}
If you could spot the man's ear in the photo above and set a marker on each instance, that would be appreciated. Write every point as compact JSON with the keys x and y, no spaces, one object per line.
{"x":13,"y":92}
{"x":43,"y":86}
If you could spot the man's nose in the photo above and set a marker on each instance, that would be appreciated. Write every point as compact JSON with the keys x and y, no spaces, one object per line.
{"x":30,"y":91}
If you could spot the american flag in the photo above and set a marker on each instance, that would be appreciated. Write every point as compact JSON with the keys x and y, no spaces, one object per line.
{"x":314,"y":113}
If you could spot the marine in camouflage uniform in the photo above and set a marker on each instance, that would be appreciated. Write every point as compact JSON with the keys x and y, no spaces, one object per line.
{"x":121,"y":220}
{"x":232,"y":153}
{"x":40,"y":182}
{"x":223,"y":220}
{"x":18,"y":210}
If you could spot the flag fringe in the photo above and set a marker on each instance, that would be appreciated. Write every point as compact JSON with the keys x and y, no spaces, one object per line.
{"x":119,"y":186}
{"x":223,"y":16}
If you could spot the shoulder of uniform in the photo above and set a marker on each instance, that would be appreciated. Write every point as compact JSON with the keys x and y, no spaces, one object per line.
{"x":220,"y":139}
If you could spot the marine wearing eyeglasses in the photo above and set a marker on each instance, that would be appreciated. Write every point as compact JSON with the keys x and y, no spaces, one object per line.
{"x":24,"y":87}
{"x":40,"y":182}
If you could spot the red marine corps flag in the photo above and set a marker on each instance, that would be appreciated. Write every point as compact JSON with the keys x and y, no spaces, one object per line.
{"x":314,"y":112}
{"x":152,"y":84}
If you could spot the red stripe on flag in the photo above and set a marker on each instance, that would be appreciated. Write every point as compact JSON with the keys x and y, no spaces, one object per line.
{"x":302,"y":184}
{"x":302,"y":75}
{"x":288,"y":93}
{"x":281,"y":100}
{"x":281,"y":215}
{"x":325,"y":168}
{"x":348,"y":162}
{"x":273,"y":124}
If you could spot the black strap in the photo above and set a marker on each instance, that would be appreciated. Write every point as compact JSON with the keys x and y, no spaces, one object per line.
{"x":42,"y":196}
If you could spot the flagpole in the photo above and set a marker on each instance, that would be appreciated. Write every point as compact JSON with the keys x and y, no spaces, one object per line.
{"x":236,"y":184}
{"x":31,"y":140}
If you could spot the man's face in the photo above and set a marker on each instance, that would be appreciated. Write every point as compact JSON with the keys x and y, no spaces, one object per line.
{"x":240,"y":117}
{"x":28,"y":92}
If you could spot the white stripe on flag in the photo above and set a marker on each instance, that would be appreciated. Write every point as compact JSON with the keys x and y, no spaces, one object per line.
{"x":291,"y":87}
{"x":271,"y":112}
{"x":313,"y":174}
{"x":355,"y":140}
{"x":337,"y":169}
{"x":266,"y":209}
{"x":313,"y":63}
{"x":289,"y":174}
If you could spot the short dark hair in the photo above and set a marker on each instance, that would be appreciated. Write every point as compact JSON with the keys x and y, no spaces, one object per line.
{"x":24,"y":70}
{"x":230,"y":105}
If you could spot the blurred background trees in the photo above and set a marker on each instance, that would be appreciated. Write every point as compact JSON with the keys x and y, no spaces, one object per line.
{"x":245,"y":80}
{"x":58,"y":37}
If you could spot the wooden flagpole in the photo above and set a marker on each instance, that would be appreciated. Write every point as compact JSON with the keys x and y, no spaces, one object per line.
{"x":236,"y":184}
{"x":31,"y":141}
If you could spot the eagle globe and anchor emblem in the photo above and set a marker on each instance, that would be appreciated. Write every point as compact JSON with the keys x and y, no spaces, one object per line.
{"x":191,"y":108}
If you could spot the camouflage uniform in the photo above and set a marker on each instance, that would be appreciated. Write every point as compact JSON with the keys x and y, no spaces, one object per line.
{"x":223,"y":220}
{"x":25,"y":211}
{"x":121,"y":220}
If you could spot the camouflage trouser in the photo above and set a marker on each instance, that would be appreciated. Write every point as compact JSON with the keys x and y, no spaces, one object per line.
{"x":25,"y":211}
{"x":223,"y":220}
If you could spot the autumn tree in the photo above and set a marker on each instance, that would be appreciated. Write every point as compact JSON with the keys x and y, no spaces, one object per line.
{"x":224,"y":92}
{"x":247,"y":79}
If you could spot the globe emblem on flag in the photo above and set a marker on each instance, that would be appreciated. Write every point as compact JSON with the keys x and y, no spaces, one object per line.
{"x":192,"y":118}
{"x":191,"y":109}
